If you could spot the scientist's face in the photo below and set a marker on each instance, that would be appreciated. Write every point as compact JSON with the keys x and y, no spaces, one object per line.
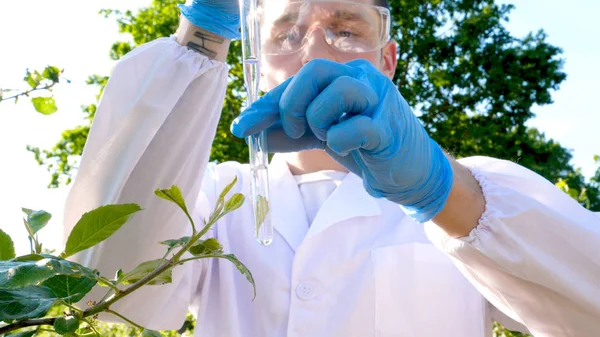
{"x":296,"y":32}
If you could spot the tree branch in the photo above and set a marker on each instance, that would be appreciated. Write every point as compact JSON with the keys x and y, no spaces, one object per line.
{"x":27,"y":92}
{"x":124,"y":318}
{"x":26,"y":323}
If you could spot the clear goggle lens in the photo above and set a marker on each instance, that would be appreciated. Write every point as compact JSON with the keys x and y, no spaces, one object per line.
{"x":346,"y":26}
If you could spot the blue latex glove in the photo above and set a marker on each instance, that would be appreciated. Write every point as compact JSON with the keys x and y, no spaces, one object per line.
{"x":221,"y":17}
{"x":358,"y":116}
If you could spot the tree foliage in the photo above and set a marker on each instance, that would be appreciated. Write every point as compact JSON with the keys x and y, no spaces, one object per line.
{"x":473,"y":84}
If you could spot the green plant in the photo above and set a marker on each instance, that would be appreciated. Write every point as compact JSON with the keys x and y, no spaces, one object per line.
{"x":37,"y":81}
{"x":34,"y":286}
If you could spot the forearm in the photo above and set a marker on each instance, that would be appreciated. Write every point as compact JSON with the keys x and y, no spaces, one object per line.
{"x":464,"y":206}
{"x":215,"y":47}
{"x":533,"y":252}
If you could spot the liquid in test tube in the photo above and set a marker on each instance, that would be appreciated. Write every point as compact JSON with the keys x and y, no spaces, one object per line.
{"x":259,"y":159}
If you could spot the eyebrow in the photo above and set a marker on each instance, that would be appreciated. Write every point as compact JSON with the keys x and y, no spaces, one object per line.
{"x":339,"y":15}
{"x":286,"y":18}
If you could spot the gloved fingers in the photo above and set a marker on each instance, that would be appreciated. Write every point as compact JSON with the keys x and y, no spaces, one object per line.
{"x":261,"y":115}
{"x":279,"y":141}
{"x":345,"y":95}
{"x":313,"y":78}
{"x":358,"y":132}
{"x":348,"y":161}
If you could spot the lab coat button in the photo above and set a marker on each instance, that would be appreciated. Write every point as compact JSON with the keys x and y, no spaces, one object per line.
{"x":305,"y":291}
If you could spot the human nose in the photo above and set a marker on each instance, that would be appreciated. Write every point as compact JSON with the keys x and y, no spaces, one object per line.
{"x":316,"y":46}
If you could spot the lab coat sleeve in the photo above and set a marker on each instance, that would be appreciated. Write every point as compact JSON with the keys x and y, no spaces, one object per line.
{"x":153,"y":129}
{"x":535,"y":254}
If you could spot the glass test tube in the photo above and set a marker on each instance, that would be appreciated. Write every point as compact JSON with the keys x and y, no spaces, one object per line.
{"x":259,"y":159}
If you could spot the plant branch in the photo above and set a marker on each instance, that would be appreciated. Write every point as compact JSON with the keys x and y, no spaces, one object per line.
{"x":27,"y":92}
{"x":109,"y":284}
{"x":124,"y":318}
{"x":104,"y":305}
{"x":26,"y":323}
{"x":92,"y":327}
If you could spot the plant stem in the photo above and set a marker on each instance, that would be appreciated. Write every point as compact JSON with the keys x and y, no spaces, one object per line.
{"x":26,"y":323}
{"x":92,"y":327}
{"x":104,"y":305}
{"x":27,"y":92}
{"x":124,"y":318}
{"x":109,"y":284}
{"x":72,"y":307}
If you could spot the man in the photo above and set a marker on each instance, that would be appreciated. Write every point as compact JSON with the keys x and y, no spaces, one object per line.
{"x":377,"y":231}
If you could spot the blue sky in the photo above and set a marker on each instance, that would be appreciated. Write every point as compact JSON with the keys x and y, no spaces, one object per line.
{"x":40,"y":32}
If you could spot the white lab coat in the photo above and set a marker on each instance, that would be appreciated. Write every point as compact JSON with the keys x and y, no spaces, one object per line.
{"x":362,"y":268}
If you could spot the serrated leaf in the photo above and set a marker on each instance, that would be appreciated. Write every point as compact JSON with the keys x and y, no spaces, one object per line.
{"x":150,"y":333}
{"x":33,"y":269}
{"x":174,"y":195}
{"x":29,"y":333}
{"x":24,"y":303}
{"x":261,"y":211}
{"x":65,"y":325}
{"x":51,"y":73}
{"x":73,"y":288}
{"x":7,"y":247}
{"x":44,"y":105}
{"x":176,"y":243}
{"x":206,"y":247}
{"x":145,"y":268}
{"x":37,"y":219}
{"x":98,"y":225}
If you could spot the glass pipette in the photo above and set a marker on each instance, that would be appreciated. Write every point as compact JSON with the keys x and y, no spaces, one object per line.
{"x":259,"y":158}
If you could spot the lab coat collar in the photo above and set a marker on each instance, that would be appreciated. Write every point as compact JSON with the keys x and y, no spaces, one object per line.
{"x":348,"y":201}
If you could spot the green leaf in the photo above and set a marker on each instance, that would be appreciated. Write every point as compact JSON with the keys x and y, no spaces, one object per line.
{"x":176,"y":243}
{"x":37,"y":219}
{"x":33,"y":79}
{"x":7,"y":247}
{"x":236,"y":201}
{"x":150,"y":333}
{"x":73,"y":288}
{"x":98,"y":225}
{"x":206,"y":247}
{"x":29,"y":333}
{"x":227,"y":189}
{"x":24,"y":303}
{"x":33,"y":269}
{"x":44,"y":105}
{"x":261,"y":211}
{"x":596,"y":159}
{"x":239,"y":265}
{"x":64,"y":325}
{"x":174,"y":195}
{"x":51,"y":73}
{"x":145,"y":268}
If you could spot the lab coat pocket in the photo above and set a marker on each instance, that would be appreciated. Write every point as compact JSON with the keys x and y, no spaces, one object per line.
{"x":419,"y":292}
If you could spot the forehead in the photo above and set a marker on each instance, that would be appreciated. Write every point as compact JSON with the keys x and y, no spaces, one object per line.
{"x":265,"y":3}
{"x":272,"y":9}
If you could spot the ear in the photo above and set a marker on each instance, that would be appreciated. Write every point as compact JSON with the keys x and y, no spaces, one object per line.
{"x":389,"y":59}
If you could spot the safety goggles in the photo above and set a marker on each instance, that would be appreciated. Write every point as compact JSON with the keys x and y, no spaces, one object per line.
{"x":349,"y":27}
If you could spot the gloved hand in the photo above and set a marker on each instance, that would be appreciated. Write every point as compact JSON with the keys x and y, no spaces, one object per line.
{"x":221,"y":17}
{"x":358,"y":116}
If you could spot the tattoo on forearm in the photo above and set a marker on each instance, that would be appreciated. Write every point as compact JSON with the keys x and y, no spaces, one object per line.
{"x":201,"y":48}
